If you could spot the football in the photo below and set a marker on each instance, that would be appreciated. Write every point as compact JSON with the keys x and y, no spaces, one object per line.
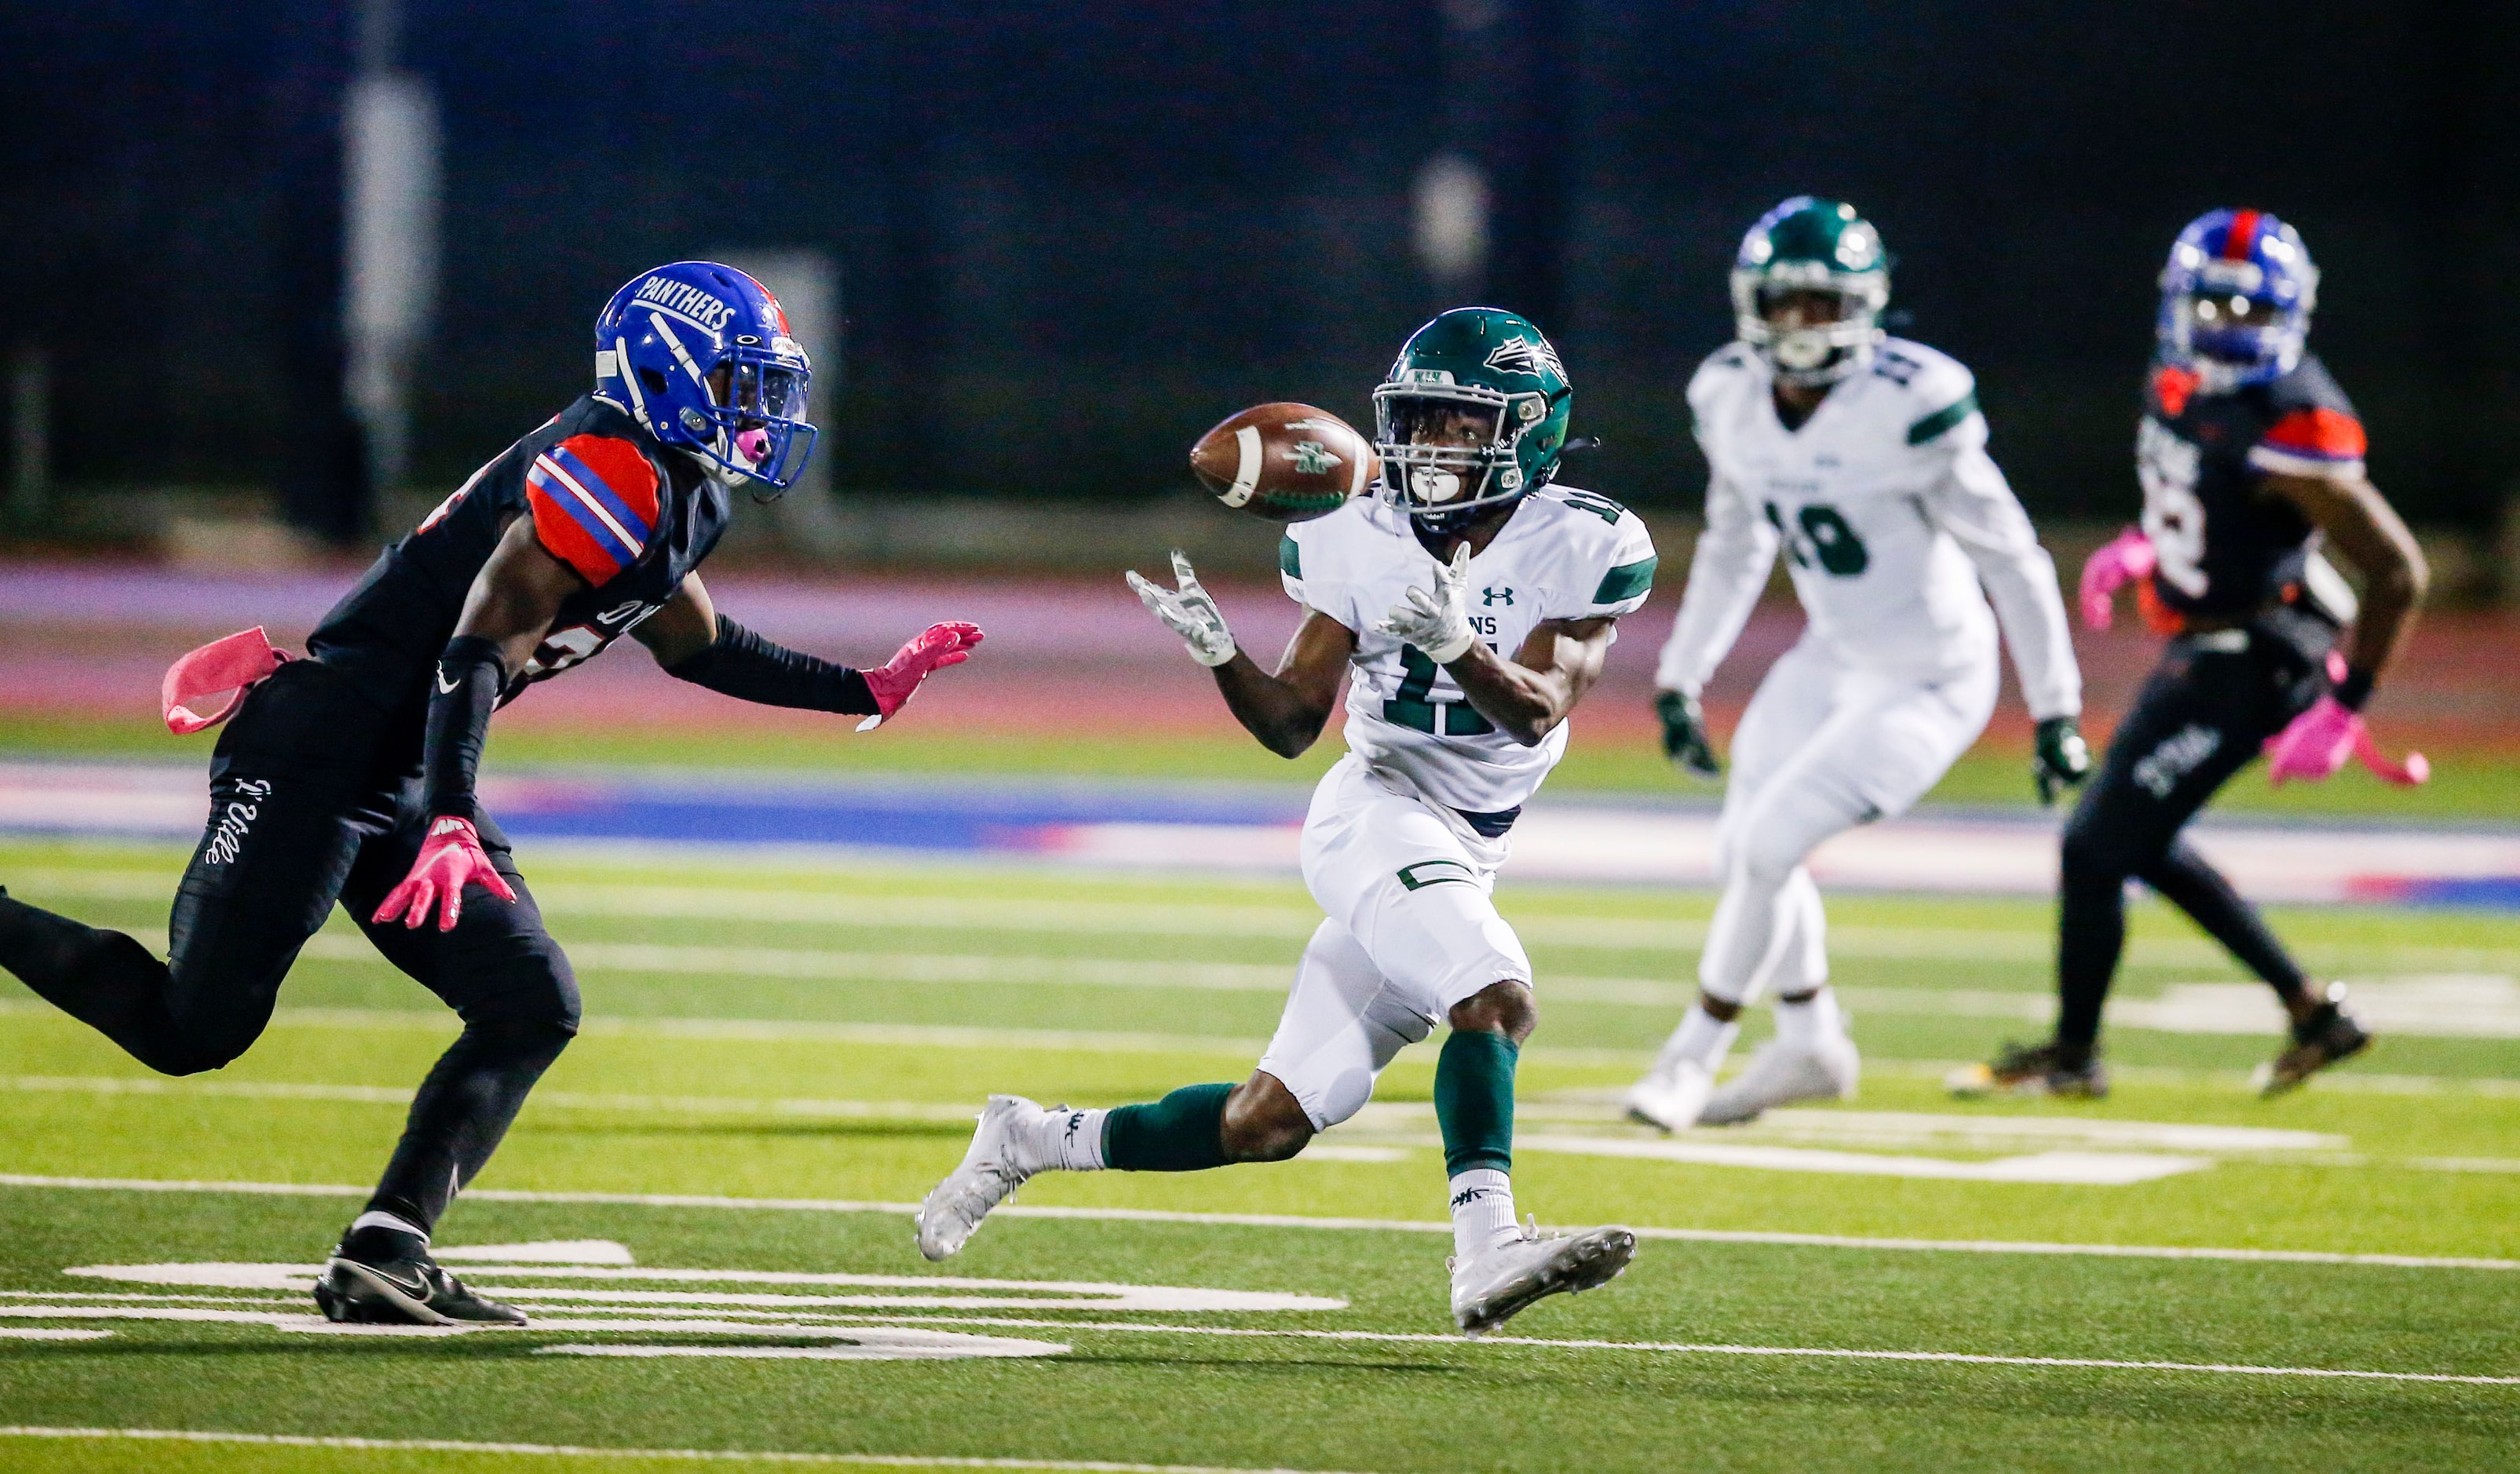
{"x":1286,"y":462}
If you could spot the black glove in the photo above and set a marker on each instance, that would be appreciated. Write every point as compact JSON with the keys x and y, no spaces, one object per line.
{"x":1684,"y":736}
{"x":2062,"y":760}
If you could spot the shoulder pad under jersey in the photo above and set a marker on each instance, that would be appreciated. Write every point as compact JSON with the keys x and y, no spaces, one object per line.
{"x":1934,"y":392}
{"x":595,"y":503}
{"x":2314,"y":432}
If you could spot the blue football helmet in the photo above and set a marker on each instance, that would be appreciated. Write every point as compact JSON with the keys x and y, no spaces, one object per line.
{"x":700,"y":355}
{"x":2236,"y":298}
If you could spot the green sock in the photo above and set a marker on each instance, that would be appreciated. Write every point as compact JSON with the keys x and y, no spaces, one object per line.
{"x":1474,"y":1100}
{"x":1184,"y":1131}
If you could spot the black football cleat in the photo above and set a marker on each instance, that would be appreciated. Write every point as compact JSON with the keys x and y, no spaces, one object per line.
{"x":383,"y":1276}
{"x":2031,"y":1070}
{"x":2327,"y":1035}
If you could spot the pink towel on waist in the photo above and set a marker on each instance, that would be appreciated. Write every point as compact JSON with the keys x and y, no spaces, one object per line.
{"x":228,"y":667}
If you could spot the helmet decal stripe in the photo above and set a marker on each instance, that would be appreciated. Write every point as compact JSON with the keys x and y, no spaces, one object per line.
{"x":2244,"y":237}
{"x":630,"y":379}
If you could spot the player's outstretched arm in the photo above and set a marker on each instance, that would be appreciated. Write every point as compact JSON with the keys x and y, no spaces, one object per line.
{"x":694,"y":643}
{"x":1286,"y":710}
{"x":509,"y":609}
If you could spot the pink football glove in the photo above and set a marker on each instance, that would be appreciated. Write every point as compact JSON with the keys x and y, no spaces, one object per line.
{"x":2128,"y":556}
{"x":228,"y":667}
{"x":2318,"y":742}
{"x":931,"y":649}
{"x":450,"y":859}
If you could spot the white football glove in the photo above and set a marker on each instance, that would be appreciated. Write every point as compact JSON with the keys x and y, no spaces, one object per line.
{"x":1192,"y":613}
{"x":1438,"y":623}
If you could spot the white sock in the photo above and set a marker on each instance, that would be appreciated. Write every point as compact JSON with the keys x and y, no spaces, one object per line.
{"x":1810,"y":1023}
{"x":372,"y":1218}
{"x":1070,"y":1141}
{"x":1699,"y":1039}
{"x":1482,"y":1210}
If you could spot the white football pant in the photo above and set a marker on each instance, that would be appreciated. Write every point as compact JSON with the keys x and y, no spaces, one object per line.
{"x":1410,"y":931}
{"x":1823,"y":747}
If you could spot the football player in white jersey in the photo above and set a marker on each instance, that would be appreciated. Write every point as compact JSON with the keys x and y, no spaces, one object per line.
{"x":1470,"y":604}
{"x":1863,"y":459}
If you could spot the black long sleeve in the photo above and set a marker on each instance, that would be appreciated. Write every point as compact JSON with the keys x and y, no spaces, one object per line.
{"x":741,"y":664}
{"x":470,"y":676}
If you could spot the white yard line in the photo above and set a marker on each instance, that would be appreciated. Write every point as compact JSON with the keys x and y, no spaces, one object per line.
{"x":580,"y":1451}
{"x":1286,"y":1220}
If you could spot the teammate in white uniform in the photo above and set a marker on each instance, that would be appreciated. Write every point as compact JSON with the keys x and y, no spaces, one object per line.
{"x":1470,"y":605}
{"x":1863,"y":459}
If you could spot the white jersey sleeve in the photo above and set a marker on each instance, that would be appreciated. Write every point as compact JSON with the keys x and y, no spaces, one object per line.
{"x":1734,"y":555}
{"x":1623,"y":558}
{"x":1314,"y":582}
{"x":1973,"y":504}
{"x":1725,"y":576}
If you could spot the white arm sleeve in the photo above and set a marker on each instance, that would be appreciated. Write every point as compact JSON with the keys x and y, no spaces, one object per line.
{"x":1976,"y":506}
{"x":1725,"y":576}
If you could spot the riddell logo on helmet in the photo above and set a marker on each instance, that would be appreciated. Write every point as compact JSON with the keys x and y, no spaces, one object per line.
{"x":683,"y":299}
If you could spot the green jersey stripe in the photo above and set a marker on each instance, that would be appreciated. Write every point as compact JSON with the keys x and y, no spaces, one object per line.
{"x":1943,"y":418}
{"x":1625,"y":582}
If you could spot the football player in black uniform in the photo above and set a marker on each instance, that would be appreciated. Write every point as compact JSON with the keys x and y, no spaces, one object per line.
{"x":348,"y":774}
{"x":2251,"y":459}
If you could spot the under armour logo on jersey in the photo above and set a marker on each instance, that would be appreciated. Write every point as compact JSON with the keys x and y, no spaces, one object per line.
{"x":1523,"y":355}
{"x":1495,"y":597}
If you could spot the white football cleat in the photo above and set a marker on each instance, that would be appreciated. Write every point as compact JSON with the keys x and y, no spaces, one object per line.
{"x":1781,"y":1074}
{"x":1671,"y":1097}
{"x":1494,"y":1283}
{"x":991,"y":1171}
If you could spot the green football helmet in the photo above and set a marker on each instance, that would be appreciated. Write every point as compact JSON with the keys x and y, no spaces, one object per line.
{"x":1809,"y":244}
{"x":1487,"y":363}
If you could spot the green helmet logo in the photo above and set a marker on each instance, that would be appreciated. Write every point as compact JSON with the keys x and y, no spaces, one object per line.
{"x":1473,"y":416}
{"x":1825,"y":254}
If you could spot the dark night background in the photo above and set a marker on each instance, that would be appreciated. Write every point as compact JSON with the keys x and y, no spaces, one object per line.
{"x":1073,"y":237}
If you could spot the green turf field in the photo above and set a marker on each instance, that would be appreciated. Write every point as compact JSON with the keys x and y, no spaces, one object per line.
{"x":775,"y":1059}
{"x":2467,"y":785}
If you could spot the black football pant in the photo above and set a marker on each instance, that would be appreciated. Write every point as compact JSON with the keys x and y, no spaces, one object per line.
{"x":2202,"y":716}
{"x":310,"y":805}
